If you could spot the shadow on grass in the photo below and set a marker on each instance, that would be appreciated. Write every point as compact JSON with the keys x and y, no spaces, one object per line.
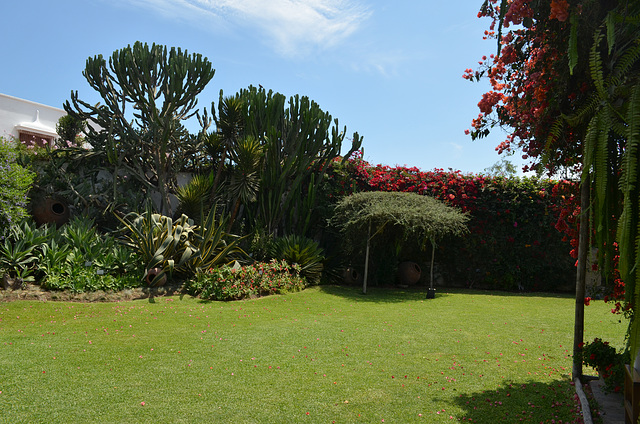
{"x":530,"y":401}
{"x":396,"y":294}
{"x":380,"y":294}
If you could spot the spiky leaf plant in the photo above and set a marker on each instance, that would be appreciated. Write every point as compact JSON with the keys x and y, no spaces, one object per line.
{"x":302,"y":251}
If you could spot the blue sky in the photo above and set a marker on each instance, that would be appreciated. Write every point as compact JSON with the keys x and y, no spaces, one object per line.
{"x":390,"y":70}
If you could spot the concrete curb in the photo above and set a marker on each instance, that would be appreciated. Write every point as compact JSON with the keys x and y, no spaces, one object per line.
{"x":584,"y":402}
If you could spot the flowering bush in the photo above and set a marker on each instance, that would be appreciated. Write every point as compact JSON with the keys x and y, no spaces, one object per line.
{"x":522,"y":230}
{"x":15,"y":181}
{"x":231,"y":283}
{"x":603,"y":357}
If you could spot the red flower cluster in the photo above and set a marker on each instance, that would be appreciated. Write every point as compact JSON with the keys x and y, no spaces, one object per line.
{"x":512,"y":242}
{"x":559,"y":10}
{"x":530,"y":82}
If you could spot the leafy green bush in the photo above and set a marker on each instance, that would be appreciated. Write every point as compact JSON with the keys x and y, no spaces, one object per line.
{"x":78,"y":258}
{"x":75,"y":257}
{"x":235,"y":282}
{"x":77,"y":279}
{"x":15,"y":182}
{"x":302,"y":251}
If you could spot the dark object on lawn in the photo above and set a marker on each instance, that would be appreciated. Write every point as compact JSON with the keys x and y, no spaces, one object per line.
{"x":431,"y":293}
{"x":409,"y":273}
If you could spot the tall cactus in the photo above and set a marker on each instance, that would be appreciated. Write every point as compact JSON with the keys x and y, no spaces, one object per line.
{"x":299,"y":141}
{"x":147,"y":92}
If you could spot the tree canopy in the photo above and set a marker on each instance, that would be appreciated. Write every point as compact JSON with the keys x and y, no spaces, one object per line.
{"x":404,"y":214}
{"x":420,"y":216}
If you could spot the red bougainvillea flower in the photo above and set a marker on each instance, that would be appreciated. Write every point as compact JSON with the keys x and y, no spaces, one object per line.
{"x":559,"y":10}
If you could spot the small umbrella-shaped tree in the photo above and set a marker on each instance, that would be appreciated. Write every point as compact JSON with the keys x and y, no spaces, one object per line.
{"x":422,"y":217}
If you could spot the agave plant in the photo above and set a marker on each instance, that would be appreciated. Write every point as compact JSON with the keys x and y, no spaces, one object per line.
{"x":54,"y":257}
{"x":215,"y":246}
{"x":160,"y":242}
{"x":302,"y":251}
{"x":19,"y":250}
{"x":18,"y":259}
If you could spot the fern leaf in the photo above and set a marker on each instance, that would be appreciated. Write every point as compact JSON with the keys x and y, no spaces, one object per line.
{"x":595,"y":64}
{"x":611,"y":33}
{"x":573,"y":43}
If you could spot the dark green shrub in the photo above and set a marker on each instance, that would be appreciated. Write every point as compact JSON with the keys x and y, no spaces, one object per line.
{"x":78,"y":258}
{"x":302,"y":251}
{"x":195,"y":195}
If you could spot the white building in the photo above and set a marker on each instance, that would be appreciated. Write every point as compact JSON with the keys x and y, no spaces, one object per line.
{"x":28,"y":121}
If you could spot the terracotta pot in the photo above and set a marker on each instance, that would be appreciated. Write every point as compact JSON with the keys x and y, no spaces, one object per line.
{"x":151,"y":274}
{"x":351,"y":276}
{"x":50,"y":210}
{"x":408,"y":273}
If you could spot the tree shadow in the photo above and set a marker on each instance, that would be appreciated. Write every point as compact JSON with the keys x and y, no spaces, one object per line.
{"x":381,"y":294}
{"x":394,"y":294}
{"x":524,"y":401}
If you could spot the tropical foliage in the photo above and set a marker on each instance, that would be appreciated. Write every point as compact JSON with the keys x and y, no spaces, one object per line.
{"x":302,"y":251}
{"x":179,"y":245}
{"x":278,"y":151}
{"x":15,"y":182}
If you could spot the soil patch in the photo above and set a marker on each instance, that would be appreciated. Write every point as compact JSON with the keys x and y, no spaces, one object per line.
{"x":35,"y":292}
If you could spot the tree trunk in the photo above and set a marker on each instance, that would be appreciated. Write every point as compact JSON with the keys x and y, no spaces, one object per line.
{"x":366,"y":262}
{"x":583,"y":246}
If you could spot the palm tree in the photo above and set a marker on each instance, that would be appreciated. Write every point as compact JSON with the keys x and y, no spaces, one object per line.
{"x":230,"y":124}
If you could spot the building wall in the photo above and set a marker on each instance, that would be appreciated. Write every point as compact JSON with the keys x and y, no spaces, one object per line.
{"x":27,"y":117}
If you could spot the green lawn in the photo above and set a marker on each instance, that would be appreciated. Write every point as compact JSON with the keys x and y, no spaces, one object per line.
{"x":328,"y":354}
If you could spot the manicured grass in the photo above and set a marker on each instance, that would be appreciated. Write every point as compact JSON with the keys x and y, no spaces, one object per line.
{"x":328,"y":354}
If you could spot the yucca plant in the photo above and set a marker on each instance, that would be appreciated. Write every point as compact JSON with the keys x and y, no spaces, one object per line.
{"x":302,"y":251}
{"x":160,"y":242}
{"x":195,"y":195}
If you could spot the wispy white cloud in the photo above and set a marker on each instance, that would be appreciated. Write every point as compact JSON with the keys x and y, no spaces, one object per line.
{"x":290,"y":27}
{"x":457,"y":149}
